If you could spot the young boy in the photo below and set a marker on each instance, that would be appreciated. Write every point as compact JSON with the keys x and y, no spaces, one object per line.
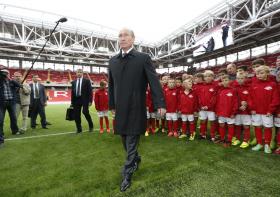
{"x":101,"y":105}
{"x":150,"y":113}
{"x":243,"y":118}
{"x":180,"y":89}
{"x":207,"y":99}
{"x":171,"y":99}
{"x":226,"y":109}
{"x":277,"y":118}
{"x":188,"y":106}
{"x":263,"y":102}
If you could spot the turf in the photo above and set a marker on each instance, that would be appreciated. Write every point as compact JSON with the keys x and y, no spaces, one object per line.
{"x":89,"y":165}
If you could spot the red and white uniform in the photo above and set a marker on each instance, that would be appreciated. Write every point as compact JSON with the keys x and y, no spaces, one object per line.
{"x":264,"y":99}
{"x":188,"y":105}
{"x":171,"y":100}
{"x":243,"y":93}
{"x":101,"y":102}
{"x":207,"y":98}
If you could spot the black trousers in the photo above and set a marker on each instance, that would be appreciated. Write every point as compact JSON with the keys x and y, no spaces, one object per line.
{"x":130,"y":144}
{"x":38,"y":108}
{"x":9,"y":106}
{"x":77,"y":111}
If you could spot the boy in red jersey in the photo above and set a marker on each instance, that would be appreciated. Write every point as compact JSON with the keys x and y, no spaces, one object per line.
{"x":101,"y":105}
{"x":171,"y":99}
{"x":263,"y":102}
{"x":226,"y":109}
{"x":188,"y":106}
{"x":180,"y":89}
{"x":243,"y":117}
{"x":150,"y":113}
{"x":207,"y":100}
{"x":277,"y":118}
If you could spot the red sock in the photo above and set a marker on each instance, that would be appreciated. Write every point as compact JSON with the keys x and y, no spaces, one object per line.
{"x":267,"y":135}
{"x":169,"y":122}
{"x":278,"y":136}
{"x":175,"y":126}
{"x":107,"y":122}
{"x":184,"y":127}
{"x":157,"y":123}
{"x":238,"y":132}
{"x":230,"y":132}
{"x":153,"y":124}
{"x":213,"y":129}
{"x":192,"y":127}
{"x":258,"y":134}
{"x":246,"y":134}
{"x":203,"y":129}
{"x":222,"y":132}
{"x":101,"y":123}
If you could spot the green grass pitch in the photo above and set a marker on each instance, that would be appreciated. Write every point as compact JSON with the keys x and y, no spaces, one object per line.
{"x":89,"y":165}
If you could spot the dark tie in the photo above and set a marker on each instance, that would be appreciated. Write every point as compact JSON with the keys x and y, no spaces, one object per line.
{"x":79,"y":88}
{"x":36,"y":91}
{"x":124,"y":55}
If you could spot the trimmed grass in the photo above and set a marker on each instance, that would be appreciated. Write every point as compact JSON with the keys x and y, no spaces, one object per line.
{"x":89,"y":165}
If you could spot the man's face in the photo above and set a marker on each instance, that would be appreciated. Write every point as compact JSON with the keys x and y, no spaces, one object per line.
{"x":262,"y":75}
{"x":18,"y":77}
{"x":126,"y":39}
{"x":35,"y":79}
{"x":79,"y":73}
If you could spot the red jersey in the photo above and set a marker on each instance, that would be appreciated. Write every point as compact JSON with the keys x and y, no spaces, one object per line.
{"x":101,"y":100}
{"x":171,"y":99}
{"x":149,"y":101}
{"x":264,"y":97}
{"x":179,"y":89}
{"x":196,"y":87}
{"x":227,"y":102}
{"x":188,"y":103}
{"x":207,"y":96}
{"x":243,"y":93}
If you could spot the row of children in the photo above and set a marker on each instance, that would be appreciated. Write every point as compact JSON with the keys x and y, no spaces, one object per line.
{"x":229,"y":106}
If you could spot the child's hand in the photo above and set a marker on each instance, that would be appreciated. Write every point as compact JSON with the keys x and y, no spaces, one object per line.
{"x":268,"y":114}
{"x":244,"y":103}
{"x":278,"y":115}
{"x":232,"y":117}
{"x":253,"y":112}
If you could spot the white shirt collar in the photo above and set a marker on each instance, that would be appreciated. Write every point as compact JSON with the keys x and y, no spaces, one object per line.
{"x":127,"y":50}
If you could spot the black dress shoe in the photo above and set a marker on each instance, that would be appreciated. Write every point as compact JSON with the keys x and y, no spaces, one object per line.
{"x":91,"y":129}
{"x":79,"y":131}
{"x":48,"y":123}
{"x":126,"y":182}
{"x":45,"y":128}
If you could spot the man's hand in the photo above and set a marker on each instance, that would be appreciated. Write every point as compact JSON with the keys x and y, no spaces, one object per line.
{"x":113,"y":112}
{"x":161,"y":111}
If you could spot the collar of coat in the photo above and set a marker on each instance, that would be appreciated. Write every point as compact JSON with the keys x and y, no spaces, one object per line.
{"x":132,"y":53}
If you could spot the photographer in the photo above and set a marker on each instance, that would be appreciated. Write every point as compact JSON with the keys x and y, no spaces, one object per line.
{"x":7,"y":102}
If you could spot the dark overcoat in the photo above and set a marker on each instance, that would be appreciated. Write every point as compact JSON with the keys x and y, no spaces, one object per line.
{"x":128,"y":79}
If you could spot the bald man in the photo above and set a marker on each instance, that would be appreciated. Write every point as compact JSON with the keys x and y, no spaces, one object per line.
{"x":129,"y":74}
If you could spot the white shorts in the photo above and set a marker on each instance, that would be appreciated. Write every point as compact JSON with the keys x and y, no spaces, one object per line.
{"x":187,"y":117}
{"x":210,"y":115}
{"x":151,"y":115}
{"x":102,"y":113}
{"x":226,"y":120}
{"x":158,"y":116}
{"x":243,"y":119}
{"x":262,"y":120}
{"x":171,"y":116}
{"x":277,"y":122}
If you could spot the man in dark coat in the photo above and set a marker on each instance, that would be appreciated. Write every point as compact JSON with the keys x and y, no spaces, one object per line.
{"x":38,"y":102}
{"x":81,"y":97}
{"x":129,"y":73}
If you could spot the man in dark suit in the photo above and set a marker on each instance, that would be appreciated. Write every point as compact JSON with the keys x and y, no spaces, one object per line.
{"x":38,"y":101}
{"x":81,"y":97}
{"x":129,"y":73}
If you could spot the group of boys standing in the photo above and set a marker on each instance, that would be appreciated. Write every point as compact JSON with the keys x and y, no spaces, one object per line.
{"x":230,"y":103}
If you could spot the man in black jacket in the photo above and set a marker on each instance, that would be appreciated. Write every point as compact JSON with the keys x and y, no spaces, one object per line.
{"x":7,"y":102}
{"x":81,"y":97}
{"x":129,"y":73}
